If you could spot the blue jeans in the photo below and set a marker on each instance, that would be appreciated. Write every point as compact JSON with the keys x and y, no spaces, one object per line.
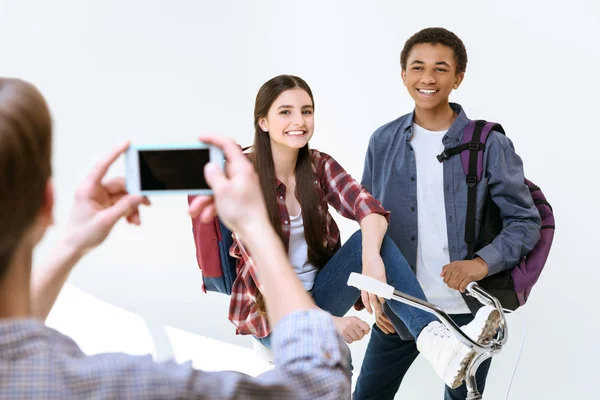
{"x":387,"y":359}
{"x":332,"y":293}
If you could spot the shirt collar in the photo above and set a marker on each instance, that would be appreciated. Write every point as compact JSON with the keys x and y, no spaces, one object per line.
{"x":455,"y":131}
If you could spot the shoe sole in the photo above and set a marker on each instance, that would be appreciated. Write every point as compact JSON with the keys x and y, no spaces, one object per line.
{"x":458,"y":368}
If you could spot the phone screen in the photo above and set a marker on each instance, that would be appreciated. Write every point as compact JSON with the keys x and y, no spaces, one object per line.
{"x":173,"y":169}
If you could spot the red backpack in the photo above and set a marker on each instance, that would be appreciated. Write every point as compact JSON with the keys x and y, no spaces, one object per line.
{"x":213,"y":241}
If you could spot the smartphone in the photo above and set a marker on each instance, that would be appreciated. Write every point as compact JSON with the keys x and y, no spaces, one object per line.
{"x":170,"y":169}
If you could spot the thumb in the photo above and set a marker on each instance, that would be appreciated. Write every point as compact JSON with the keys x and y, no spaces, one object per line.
{"x":124,"y":207}
{"x":215,"y":177}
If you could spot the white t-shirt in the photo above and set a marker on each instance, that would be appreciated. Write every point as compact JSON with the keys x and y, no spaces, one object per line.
{"x":298,"y":253}
{"x":432,"y":238}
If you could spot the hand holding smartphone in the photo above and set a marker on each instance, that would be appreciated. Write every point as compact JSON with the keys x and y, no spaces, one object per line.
{"x":170,"y":169}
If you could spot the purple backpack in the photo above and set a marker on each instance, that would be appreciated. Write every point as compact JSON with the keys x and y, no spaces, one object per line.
{"x":513,"y":286}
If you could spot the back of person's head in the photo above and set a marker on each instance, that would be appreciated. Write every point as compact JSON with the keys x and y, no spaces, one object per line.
{"x":25,"y":161}
{"x":435,"y":36}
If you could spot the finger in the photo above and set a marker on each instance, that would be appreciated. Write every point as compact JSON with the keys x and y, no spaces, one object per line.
{"x":389,"y":325}
{"x":385,"y":325}
{"x":381,"y":299}
{"x":199,"y":204}
{"x":115,"y":185}
{"x":448,"y":274}
{"x":127,"y":205}
{"x":99,"y":170}
{"x":347,"y":338}
{"x":359,"y":333}
{"x":382,"y":327}
{"x":455,"y":280}
{"x":377,"y":307}
{"x":134,"y":218}
{"x":363,"y":326}
{"x":374,"y":302}
{"x":365,"y":299}
{"x":215,"y":177}
{"x":462,"y":286}
{"x":449,"y":279}
{"x":444,"y":269}
{"x":231,"y":149}
{"x":353,"y":334}
{"x":208,"y":214}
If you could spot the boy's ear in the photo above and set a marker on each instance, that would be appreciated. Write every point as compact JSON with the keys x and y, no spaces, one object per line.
{"x":263,"y":124}
{"x":458,"y":80}
{"x":403,"y":75}
{"x":46,"y":214}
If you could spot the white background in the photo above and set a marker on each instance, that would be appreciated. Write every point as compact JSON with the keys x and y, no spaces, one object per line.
{"x":165,"y":71}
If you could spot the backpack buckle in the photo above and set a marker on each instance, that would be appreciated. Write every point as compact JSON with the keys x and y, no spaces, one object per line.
{"x":441,"y":157}
{"x":471,"y":180}
{"x":475,"y":146}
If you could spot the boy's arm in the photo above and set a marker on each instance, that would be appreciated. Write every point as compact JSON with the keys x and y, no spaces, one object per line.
{"x":521,"y":219}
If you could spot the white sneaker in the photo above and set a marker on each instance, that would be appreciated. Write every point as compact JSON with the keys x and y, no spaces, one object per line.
{"x":447,"y":355}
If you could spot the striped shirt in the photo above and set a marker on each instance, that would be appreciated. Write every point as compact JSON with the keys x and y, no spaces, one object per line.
{"x":337,"y":189}
{"x":37,"y":362}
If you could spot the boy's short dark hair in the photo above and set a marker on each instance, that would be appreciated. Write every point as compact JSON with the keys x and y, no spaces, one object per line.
{"x":25,"y":161}
{"x":437,"y":36}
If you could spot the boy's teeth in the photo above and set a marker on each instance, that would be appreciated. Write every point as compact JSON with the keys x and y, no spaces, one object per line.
{"x":427,"y":91}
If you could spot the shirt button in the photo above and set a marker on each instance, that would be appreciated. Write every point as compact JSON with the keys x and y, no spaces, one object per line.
{"x":453,"y":249}
{"x":447,"y":188}
{"x":412,"y":178}
{"x":450,"y":218}
{"x":285,"y":222}
{"x":412,"y":238}
{"x":412,"y":209}
{"x":281,"y":197}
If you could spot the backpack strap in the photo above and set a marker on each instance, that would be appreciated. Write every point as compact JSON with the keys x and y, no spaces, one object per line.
{"x":471,"y":151}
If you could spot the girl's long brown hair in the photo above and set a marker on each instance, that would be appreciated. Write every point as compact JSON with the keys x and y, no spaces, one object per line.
{"x":306,"y":189}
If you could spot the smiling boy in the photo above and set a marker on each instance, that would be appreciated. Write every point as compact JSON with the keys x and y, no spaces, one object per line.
{"x":428,"y":203}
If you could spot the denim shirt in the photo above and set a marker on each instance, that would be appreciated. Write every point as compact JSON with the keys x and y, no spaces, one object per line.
{"x":390,"y":174}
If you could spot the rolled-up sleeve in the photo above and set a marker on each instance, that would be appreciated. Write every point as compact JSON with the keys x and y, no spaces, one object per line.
{"x":345,"y":194}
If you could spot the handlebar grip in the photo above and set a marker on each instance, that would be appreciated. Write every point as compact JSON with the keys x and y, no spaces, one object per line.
{"x":372,"y":285}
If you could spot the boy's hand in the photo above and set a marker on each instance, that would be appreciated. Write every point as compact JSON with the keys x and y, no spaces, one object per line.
{"x":237,"y":195}
{"x":384,"y":323}
{"x":99,"y":204}
{"x":458,"y":274}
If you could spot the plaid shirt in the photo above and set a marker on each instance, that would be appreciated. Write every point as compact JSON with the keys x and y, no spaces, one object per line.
{"x":336,"y":188}
{"x":37,"y":362}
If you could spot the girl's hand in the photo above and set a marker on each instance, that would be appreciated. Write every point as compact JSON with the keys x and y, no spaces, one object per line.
{"x":373,"y":266}
{"x":352,"y":328}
